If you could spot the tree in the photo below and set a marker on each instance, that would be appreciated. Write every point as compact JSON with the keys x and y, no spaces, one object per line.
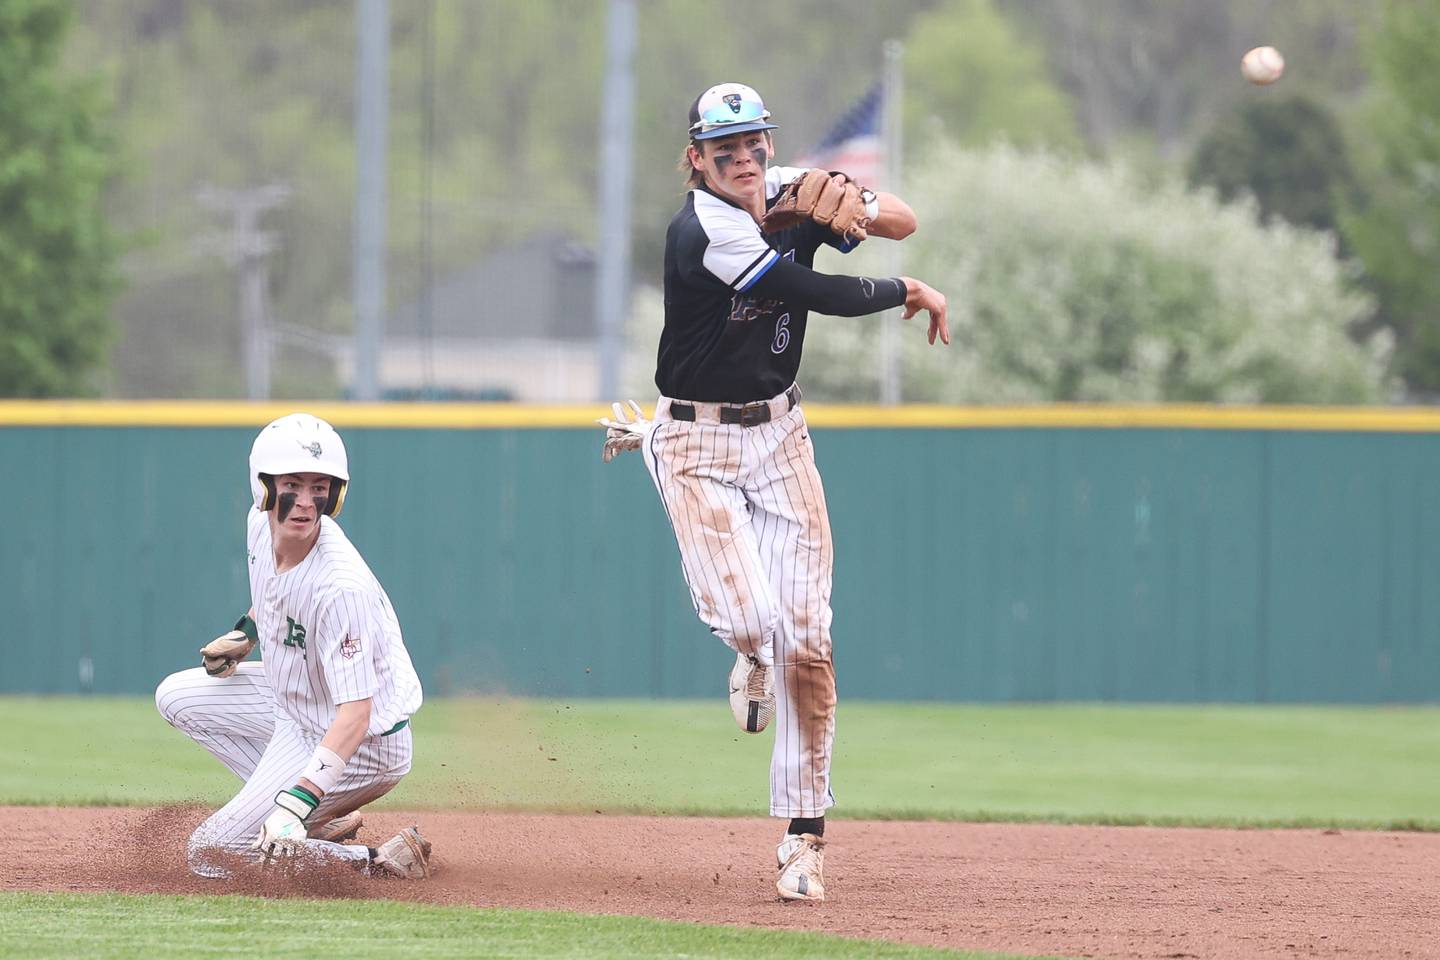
{"x":1395,"y":229}
{"x":1289,"y":154}
{"x":240,"y":95}
{"x":1075,"y":281}
{"x":493,"y":136}
{"x":970,"y":73}
{"x":56,"y":252}
{"x":1163,"y":68}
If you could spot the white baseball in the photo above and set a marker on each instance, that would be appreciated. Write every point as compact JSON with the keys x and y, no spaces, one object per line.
{"x":1262,"y":65}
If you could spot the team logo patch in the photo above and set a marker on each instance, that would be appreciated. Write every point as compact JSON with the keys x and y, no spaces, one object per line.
{"x":732,"y":100}
{"x":312,"y":448}
{"x":350,"y":647}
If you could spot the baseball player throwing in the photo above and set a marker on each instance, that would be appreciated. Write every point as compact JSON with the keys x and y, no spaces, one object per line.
{"x":321,"y":727}
{"x":728,"y":448}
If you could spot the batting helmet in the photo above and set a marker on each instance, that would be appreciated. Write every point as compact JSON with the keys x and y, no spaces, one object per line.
{"x":727,"y":108}
{"x":298,"y":443}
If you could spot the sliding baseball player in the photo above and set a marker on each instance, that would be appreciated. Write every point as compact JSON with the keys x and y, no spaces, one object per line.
{"x":320,"y":727}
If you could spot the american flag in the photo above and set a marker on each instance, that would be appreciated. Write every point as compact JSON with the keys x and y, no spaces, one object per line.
{"x":853,"y":145}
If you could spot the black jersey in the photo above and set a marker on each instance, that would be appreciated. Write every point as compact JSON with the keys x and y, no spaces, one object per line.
{"x":720,"y":345}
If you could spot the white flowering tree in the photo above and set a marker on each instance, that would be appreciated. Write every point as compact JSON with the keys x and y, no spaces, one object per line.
{"x":1075,"y":281}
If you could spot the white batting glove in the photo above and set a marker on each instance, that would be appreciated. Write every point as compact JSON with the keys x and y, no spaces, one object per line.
{"x":625,"y":432}
{"x":283,"y":832}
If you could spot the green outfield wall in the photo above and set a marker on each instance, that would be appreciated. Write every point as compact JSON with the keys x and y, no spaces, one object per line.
{"x":1057,"y":553}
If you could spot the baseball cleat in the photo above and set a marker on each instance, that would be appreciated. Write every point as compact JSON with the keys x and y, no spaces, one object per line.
{"x":752,"y":693}
{"x":338,"y":829}
{"x":407,"y":854}
{"x":802,"y":865}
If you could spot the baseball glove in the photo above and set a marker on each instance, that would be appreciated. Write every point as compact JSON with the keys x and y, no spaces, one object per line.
{"x":222,"y":655}
{"x":833,"y":200}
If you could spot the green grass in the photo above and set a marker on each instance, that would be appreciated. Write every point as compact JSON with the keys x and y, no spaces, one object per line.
{"x":100,"y":926}
{"x":1200,"y":765}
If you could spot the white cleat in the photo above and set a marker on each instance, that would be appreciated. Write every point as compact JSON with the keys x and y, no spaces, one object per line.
{"x":338,"y":829}
{"x":802,"y":866}
{"x":407,"y":854}
{"x":752,"y":693}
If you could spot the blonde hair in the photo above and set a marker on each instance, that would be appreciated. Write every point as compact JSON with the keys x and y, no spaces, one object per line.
{"x":694,"y":178}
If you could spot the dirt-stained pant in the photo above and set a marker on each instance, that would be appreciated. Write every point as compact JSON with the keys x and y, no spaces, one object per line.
{"x":235,"y":718}
{"x":749,"y":516}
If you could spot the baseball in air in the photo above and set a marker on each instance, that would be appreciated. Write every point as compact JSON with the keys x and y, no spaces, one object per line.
{"x":1262,"y":65}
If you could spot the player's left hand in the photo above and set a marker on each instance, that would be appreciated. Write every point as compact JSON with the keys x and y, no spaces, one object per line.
{"x":626,"y":431}
{"x":830,"y":199}
{"x":283,"y":832}
{"x":222,"y":655}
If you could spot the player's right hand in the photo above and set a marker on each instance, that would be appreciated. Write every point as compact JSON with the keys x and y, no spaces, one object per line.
{"x":222,"y":655}
{"x":919,"y":295}
{"x":625,"y":432}
{"x":283,"y":832}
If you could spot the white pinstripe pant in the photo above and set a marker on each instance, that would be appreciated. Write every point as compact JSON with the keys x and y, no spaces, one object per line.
{"x":236,"y":720}
{"x":749,"y":515}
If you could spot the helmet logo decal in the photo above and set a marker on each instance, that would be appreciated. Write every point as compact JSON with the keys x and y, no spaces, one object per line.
{"x":732,"y":100}
{"x":312,"y":448}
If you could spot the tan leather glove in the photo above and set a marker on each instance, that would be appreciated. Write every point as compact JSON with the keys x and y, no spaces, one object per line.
{"x":222,"y":655}
{"x":833,"y":200}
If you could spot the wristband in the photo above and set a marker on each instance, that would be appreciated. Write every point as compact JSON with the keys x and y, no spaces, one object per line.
{"x":324,"y":769}
{"x":298,"y":801}
{"x":247,"y":626}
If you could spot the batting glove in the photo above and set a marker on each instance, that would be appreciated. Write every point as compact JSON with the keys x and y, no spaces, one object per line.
{"x":626,"y":431}
{"x":283,"y":832}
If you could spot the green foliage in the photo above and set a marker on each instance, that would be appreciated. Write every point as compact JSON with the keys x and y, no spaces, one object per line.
{"x":1161,"y":69}
{"x":494,"y":125}
{"x":495,"y":106}
{"x":56,"y":252}
{"x":1072,"y":281}
{"x":971,"y":74}
{"x":1289,"y":154}
{"x":1396,"y":229}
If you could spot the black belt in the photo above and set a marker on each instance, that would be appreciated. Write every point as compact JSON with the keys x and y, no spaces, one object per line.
{"x":747,"y":415}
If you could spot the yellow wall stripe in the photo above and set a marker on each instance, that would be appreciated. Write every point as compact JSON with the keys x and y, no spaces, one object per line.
{"x":482,"y":416}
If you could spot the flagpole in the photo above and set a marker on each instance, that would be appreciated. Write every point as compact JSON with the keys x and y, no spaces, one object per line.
{"x":612,"y":280}
{"x":893,"y":85}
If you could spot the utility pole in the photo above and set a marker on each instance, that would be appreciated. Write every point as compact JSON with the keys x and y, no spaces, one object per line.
{"x":372,"y":107}
{"x":890,"y":322}
{"x":244,"y":249}
{"x":617,"y":118}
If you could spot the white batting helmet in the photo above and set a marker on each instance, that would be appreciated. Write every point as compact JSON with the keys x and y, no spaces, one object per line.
{"x":298,"y":443}
{"x":726,"y":109}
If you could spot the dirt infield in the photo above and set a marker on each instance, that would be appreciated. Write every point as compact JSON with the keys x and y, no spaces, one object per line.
{"x":1030,"y":889}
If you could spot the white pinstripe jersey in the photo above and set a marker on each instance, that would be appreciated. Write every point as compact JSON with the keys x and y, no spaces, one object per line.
{"x":328,"y":634}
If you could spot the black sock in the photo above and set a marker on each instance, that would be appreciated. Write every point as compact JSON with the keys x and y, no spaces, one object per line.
{"x":373,"y":853}
{"x":815,"y":825}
